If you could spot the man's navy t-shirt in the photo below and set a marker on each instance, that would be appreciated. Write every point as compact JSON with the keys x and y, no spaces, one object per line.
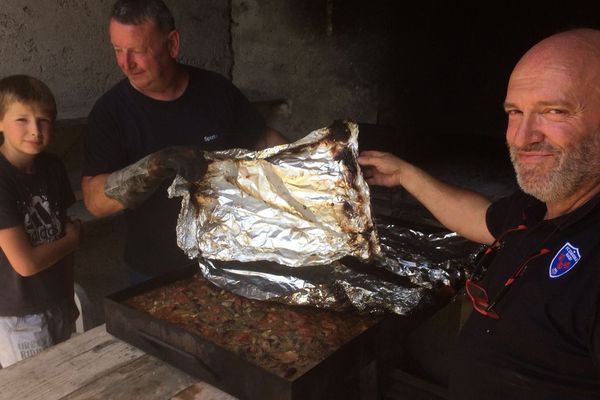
{"x":124,"y":126}
{"x":546,"y":344}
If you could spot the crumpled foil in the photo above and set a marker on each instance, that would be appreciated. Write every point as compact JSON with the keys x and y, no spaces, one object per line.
{"x":409,"y":271}
{"x":438,"y":260}
{"x":415,"y":270}
{"x":300,"y":204}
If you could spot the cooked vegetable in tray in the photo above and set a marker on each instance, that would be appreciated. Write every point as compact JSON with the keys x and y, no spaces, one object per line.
{"x":284,"y":339}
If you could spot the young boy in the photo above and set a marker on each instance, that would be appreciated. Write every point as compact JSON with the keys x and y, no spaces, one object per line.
{"x":37,"y":239}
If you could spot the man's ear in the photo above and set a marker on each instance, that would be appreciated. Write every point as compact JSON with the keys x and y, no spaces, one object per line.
{"x":174,"y":42}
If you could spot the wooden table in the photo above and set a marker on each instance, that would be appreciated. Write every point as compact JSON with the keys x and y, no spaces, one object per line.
{"x":95,"y":365}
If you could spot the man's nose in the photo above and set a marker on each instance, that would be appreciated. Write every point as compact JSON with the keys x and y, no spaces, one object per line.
{"x":127,"y":62}
{"x":525,"y":131}
{"x":130,"y":61}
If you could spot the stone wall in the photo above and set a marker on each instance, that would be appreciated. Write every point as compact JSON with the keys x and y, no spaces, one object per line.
{"x":327,"y":63}
{"x":65,"y":43}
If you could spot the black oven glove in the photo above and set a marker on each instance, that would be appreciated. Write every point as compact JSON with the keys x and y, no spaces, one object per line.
{"x":133,"y":184}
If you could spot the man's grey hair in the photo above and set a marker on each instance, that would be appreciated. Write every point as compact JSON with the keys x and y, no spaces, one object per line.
{"x":135,"y":12}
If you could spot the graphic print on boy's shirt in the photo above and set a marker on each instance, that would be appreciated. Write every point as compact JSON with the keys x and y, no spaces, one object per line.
{"x":41,"y":223}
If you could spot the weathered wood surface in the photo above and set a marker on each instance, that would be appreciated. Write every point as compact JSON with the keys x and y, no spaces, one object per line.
{"x":202,"y":391}
{"x":93,"y":365}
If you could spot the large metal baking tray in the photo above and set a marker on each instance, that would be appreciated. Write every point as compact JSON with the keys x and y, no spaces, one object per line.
{"x":206,"y":360}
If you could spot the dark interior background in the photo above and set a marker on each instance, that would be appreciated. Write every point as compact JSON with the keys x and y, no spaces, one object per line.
{"x":449,"y":62}
{"x":443,"y":79}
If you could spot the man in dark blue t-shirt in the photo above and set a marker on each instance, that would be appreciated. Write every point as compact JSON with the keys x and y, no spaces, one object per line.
{"x":535,"y":332}
{"x":152,"y":125}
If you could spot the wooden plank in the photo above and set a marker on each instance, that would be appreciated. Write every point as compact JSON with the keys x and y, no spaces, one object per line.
{"x":91,"y":365}
{"x":202,"y":391}
{"x":144,"y":378}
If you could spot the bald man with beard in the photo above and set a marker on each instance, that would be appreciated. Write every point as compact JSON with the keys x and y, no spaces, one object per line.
{"x":535,"y":332}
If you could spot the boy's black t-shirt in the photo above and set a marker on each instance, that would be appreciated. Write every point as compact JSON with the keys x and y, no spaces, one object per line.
{"x":546,"y":344}
{"x":38,"y":202}
{"x":125,"y":126}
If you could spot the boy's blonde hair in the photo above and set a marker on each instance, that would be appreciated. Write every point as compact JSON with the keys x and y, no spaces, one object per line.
{"x":28,"y":91}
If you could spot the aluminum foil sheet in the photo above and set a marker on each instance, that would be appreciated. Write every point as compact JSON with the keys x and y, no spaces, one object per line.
{"x":300,"y":204}
{"x":438,"y":260}
{"x":415,"y":270}
{"x":315,"y":244}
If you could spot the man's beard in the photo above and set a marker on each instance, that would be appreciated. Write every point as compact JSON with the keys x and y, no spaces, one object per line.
{"x":573,"y":167}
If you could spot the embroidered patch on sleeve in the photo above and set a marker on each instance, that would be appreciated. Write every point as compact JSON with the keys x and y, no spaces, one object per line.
{"x":564,"y":260}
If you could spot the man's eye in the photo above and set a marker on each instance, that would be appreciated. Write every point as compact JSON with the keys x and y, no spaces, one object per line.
{"x":512,"y":113}
{"x":555,"y":111}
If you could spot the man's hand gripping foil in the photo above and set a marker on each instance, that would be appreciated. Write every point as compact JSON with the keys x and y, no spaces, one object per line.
{"x":132,"y":185}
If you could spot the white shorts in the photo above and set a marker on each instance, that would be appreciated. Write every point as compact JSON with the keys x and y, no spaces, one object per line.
{"x":25,"y":336}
